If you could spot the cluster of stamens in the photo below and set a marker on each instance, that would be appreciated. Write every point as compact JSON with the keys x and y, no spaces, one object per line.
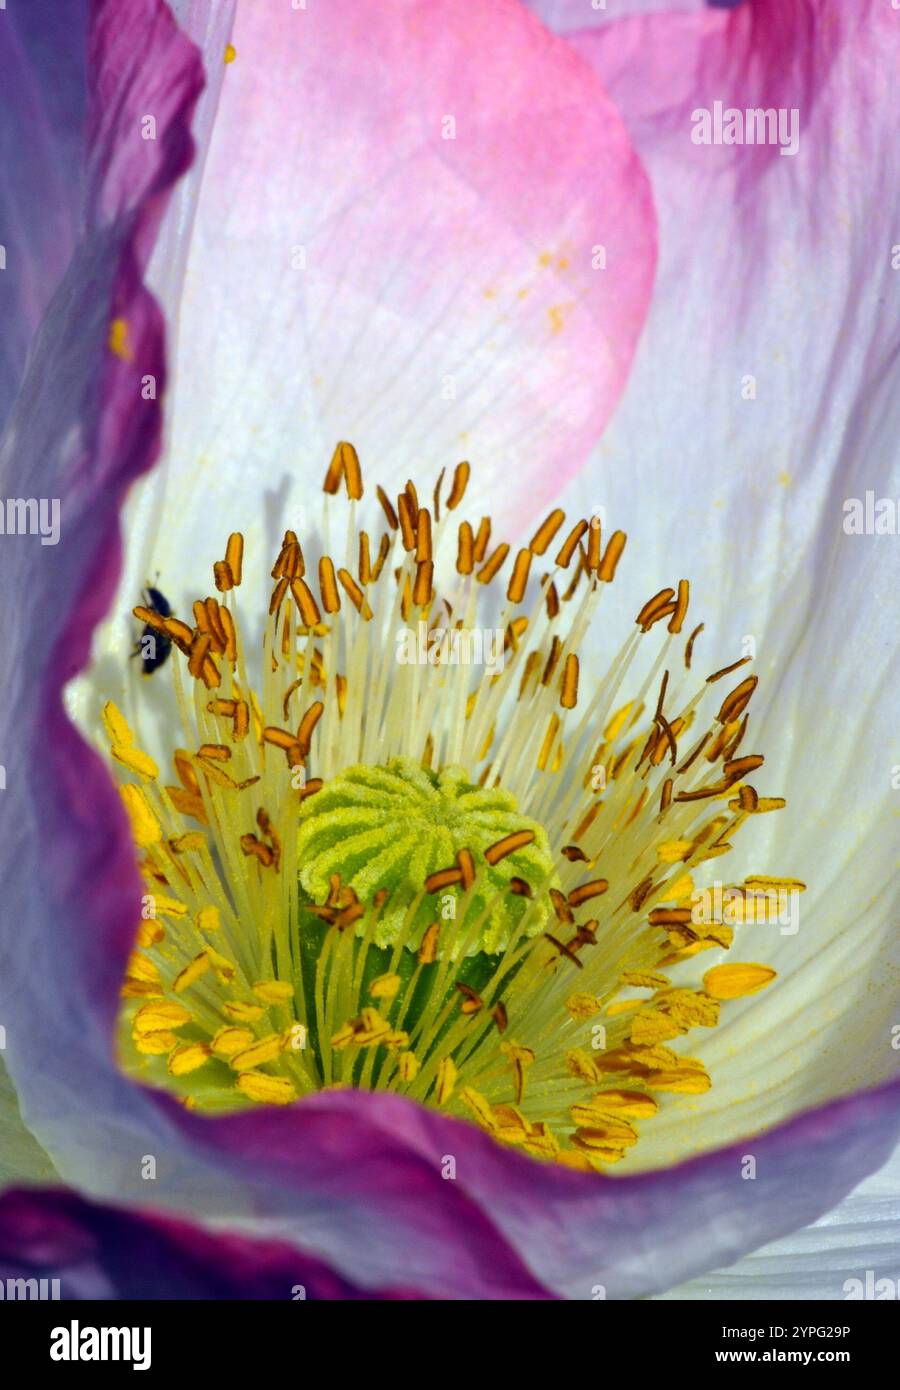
{"x":463,"y":885}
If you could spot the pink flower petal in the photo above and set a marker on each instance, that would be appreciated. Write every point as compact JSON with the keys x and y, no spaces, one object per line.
{"x":399,"y":253}
{"x":570,"y":16}
{"x":357,"y":1178}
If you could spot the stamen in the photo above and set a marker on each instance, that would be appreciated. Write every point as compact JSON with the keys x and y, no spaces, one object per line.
{"x":398,"y":885}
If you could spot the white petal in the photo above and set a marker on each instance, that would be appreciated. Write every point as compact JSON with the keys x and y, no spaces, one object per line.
{"x":764,"y":272}
{"x":860,"y":1236}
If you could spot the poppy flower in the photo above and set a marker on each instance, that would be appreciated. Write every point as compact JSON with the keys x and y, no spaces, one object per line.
{"x":390,"y":943}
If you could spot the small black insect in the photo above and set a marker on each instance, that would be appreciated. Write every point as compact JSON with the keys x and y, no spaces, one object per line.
{"x":153,"y":647}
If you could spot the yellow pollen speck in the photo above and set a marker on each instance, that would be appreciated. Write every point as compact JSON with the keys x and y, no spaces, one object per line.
{"x":208,"y":919}
{"x":230,"y":53}
{"x":118,"y":339}
{"x":385,"y":986}
{"x":556,"y":315}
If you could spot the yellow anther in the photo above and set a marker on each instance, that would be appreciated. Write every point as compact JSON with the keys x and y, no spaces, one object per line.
{"x":582,"y":1006}
{"x":687,"y":1082}
{"x":168,"y":907}
{"x":149,"y":933}
{"x":140,"y":968}
{"x":229,"y":1041}
{"x":273,"y":991}
{"x":145,"y":828}
{"x":118,"y":730}
{"x":266,"y":1050}
{"x":479,"y":1106}
{"x":244,"y":1013}
{"x":407,"y":1066}
{"x":135,"y":761}
{"x":187,"y":1058}
{"x":632,"y":1105}
{"x":156,"y":1044}
{"x":446,"y":1080}
{"x":673,"y":850}
{"x":267,"y":1090}
{"x":153,"y":1018}
{"x":192,"y":972}
{"x":733,"y":981}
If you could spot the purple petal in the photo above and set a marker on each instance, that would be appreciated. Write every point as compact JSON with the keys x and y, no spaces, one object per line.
{"x":42,"y":62}
{"x":102,"y":1252}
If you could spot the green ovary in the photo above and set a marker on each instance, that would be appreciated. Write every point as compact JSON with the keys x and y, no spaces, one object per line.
{"x":388,"y":828}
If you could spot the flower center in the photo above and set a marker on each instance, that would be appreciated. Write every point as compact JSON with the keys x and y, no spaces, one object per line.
{"x":391,"y":831}
{"x":427,"y":865}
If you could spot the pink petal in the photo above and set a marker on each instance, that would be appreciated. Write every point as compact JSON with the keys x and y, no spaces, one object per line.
{"x":354,"y":1177}
{"x":570,"y":16}
{"x":354,"y":274}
